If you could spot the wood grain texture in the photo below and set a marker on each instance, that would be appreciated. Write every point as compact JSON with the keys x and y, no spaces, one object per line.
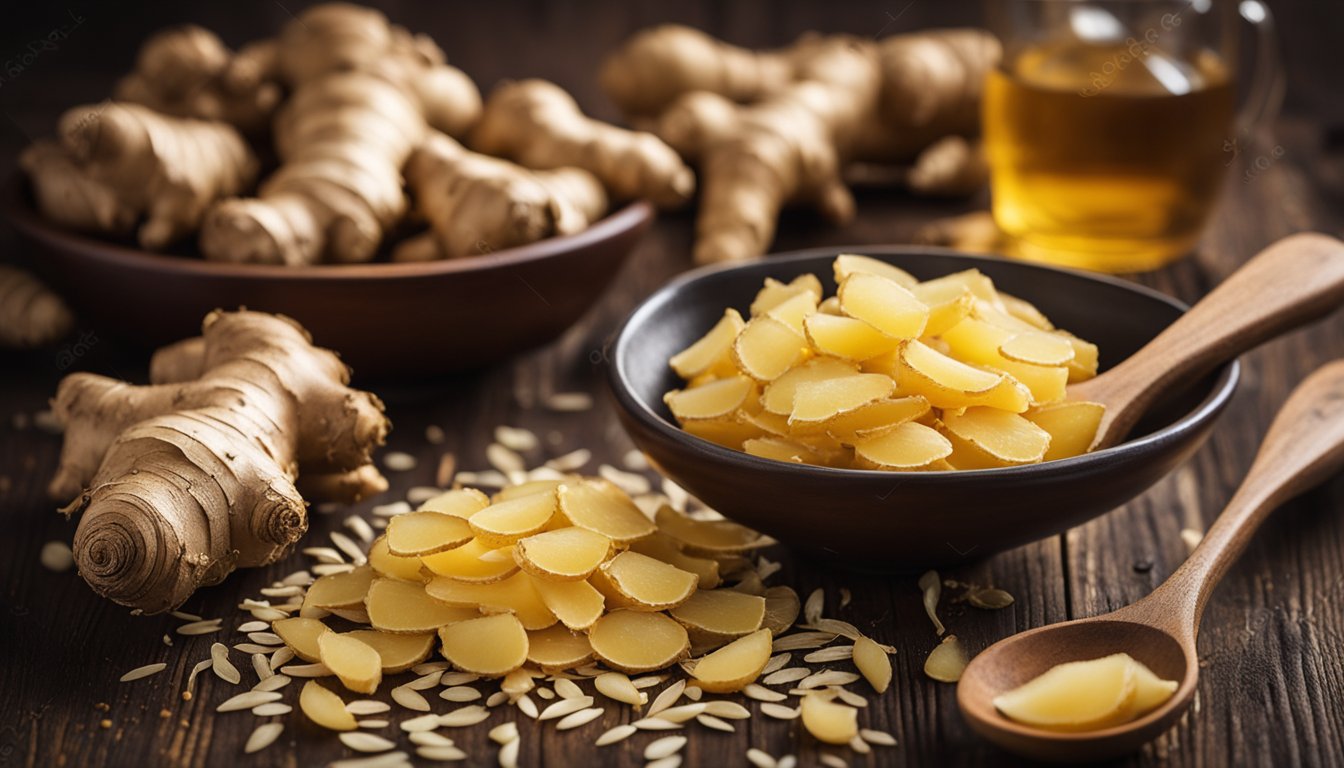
{"x":1272,"y":677}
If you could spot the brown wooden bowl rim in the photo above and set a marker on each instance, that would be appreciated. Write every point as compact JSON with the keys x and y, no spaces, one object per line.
{"x":1229,"y":375}
{"x":26,"y":218}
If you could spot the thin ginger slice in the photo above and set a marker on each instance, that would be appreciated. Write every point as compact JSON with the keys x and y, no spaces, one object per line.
{"x":721,"y":612}
{"x":1076,"y":696}
{"x":563,"y":554}
{"x":1086,"y":357}
{"x":943,"y":380}
{"x":978,"y":283}
{"x":946,"y":661}
{"x":474,"y":561}
{"x":907,"y":446}
{"x":978,"y":342}
{"x":729,"y":432}
{"x":490,"y":646}
{"x":819,"y":401}
{"x":1025,"y":311}
{"x":874,"y":418}
{"x":649,"y":584}
{"x":339,"y":590}
{"x":828,"y":720}
{"x":735,"y":665}
{"x":424,"y":533}
{"x":948,"y":303}
{"x":459,"y":502}
{"x":711,"y":350}
{"x":1072,"y":427}
{"x":300,"y":635}
{"x":775,"y":293}
{"x":1006,"y":437}
{"x":662,"y":547}
{"x":402,"y":607}
{"x":397,"y":652}
{"x":766,"y":348}
{"x":391,"y":566}
{"x":325,"y":708}
{"x":577,"y":604}
{"x":782,"y":607}
{"x":777,"y":397}
{"x":709,"y":401}
{"x":505,"y":522}
{"x":558,"y":648}
{"x":514,"y":595}
{"x":847,"y":264}
{"x":717,"y":537}
{"x":846,"y":337}
{"x":603,"y":508}
{"x":1037,"y":348}
{"x":525,"y":489}
{"x":794,"y":310}
{"x":780,"y":449}
{"x":883,"y":304}
{"x":356,"y":664}
{"x":638,"y":641}
{"x":873,"y":663}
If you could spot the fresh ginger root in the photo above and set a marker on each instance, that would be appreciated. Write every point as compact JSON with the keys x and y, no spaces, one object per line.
{"x":180,"y":483}
{"x":188,"y":71}
{"x":476,"y":204}
{"x":30,"y":314}
{"x":806,"y":113}
{"x":537,"y":124}
{"x":117,"y":165}
{"x":366,"y":93}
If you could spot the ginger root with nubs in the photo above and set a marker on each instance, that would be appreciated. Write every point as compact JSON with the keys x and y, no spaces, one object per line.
{"x":365,"y":95}
{"x":770,"y":128}
{"x":30,"y":314}
{"x":537,"y":124}
{"x":180,"y":483}
{"x":476,"y":204}
{"x":120,"y":167}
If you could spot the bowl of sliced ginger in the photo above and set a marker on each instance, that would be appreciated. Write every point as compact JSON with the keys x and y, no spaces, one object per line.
{"x":903,"y":408}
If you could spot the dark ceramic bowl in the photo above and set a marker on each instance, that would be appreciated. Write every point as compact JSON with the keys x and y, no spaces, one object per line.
{"x":900,"y":521}
{"x":388,"y":321}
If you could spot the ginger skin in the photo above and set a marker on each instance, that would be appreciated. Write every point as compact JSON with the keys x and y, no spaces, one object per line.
{"x":537,"y":124}
{"x":181,"y":483}
{"x":478,"y":204}
{"x":116,"y":165}
{"x":30,"y":314}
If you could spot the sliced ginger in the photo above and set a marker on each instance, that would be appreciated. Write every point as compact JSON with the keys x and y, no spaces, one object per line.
{"x":402,"y":607}
{"x":356,"y":664}
{"x":781,"y":609}
{"x":716,"y":537}
{"x":325,"y":708}
{"x":396,"y":652}
{"x":301,"y":635}
{"x":564,"y":554}
{"x":391,"y":566}
{"x":557,"y":648}
{"x":637,"y":641}
{"x":577,"y":604}
{"x":473,"y":561}
{"x":828,"y":720}
{"x":602,"y":508}
{"x":424,"y":533}
{"x":882,"y":374}
{"x":1087,"y":695}
{"x":459,"y":502}
{"x":735,"y":665}
{"x":505,"y":522}
{"x":649,"y":584}
{"x":340,"y":590}
{"x":668,"y":550}
{"x":873,"y":663}
{"x":723,"y":612}
{"x":490,"y":646}
{"x":712,"y":350}
{"x":515,"y":595}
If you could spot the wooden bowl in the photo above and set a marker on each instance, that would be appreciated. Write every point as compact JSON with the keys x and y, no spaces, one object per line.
{"x":388,"y":321}
{"x":889,"y":521}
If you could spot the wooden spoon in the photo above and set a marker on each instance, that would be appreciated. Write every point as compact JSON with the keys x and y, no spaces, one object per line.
{"x":1291,"y":283}
{"x":1304,"y":445}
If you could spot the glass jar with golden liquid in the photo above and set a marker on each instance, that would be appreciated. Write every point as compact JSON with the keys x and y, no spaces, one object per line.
{"x":1109,"y":124}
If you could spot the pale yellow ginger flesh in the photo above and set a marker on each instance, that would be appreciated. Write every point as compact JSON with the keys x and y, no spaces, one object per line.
{"x":946,"y":661}
{"x":490,"y":646}
{"x":301,"y":635}
{"x":558,"y":647}
{"x":1087,"y":695}
{"x":397,"y":652}
{"x":891,"y":373}
{"x":828,"y":720}
{"x":325,"y":708}
{"x":424,"y":533}
{"x":638,"y":641}
{"x":577,"y":604}
{"x":565,"y":554}
{"x":735,"y":665}
{"x":401,"y":607}
{"x":649,"y":584}
{"x":473,"y":561}
{"x":873,"y":663}
{"x":602,"y":508}
{"x":356,"y":664}
{"x":516,"y":594}
{"x":505,"y":522}
{"x":391,"y":566}
{"x":340,"y":590}
{"x":721,"y":612}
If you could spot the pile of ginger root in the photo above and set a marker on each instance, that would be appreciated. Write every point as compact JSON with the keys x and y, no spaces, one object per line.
{"x":351,"y":105}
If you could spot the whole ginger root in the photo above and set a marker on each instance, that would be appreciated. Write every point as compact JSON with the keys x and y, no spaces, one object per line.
{"x":537,"y":124}
{"x":30,"y":314}
{"x":118,"y":165}
{"x":476,"y":204}
{"x":180,"y":483}
{"x":772,"y":128}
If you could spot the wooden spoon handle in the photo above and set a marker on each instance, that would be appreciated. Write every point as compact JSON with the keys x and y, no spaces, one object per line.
{"x":1304,"y":445}
{"x":1292,"y":282}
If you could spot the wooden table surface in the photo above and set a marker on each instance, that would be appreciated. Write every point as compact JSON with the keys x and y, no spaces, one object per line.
{"x":1272,"y":656}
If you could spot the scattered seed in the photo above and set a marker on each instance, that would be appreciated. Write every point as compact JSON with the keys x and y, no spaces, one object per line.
{"x":365,"y":742}
{"x":761,"y":693}
{"x":673,"y":761}
{"x":251,"y":648}
{"x":263,"y":737}
{"x":459,"y":694}
{"x":859,"y":745}
{"x":464,"y":716}
{"x":648,"y":681}
{"x":786,"y":676}
{"x":183,"y":615}
{"x":349,"y":547}
{"x":372,"y":724}
{"x":565,"y":707}
{"x":281,"y":657}
{"x":504,"y":459}
{"x":219,"y":661}
{"x":299,"y":578}
{"x":325,"y":555}
{"x":265,"y":638}
{"x":567,"y":689}
{"x":360,"y":527}
{"x":569,"y":402}
{"x":434,"y":434}
{"x":576,"y":719}
{"x":848,"y":696}
{"x":667,"y":698}
{"x":800,"y":641}
{"x":430,"y":738}
{"x":425,"y":682}
{"x":816,"y":602}
{"x":253,"y":626}
{"x":56,"y":556}
{"x":655,"y":724}
{"x":664,"y":747}
{"x":496,"y":698}
{"x":828,"y":677}
{"x":426,"y":667}
{"x":779,"y":711}
{"x":932,"y":586}
{"x":728,"y":709}
{"x":145,"y":671}
{"x":508,"y":754}
{"x":202,"y":627}
{"x":271,"y":709}
{"x":776,"y":663}
{"x":441,"y":754}
{"x":682,"y":713}
{"x":307,"y":670}
{"x":527,"y":706}
{"x":247,"y":700}
{"x":881,"y":738}
{"x":459,"y":678}
{"x":399,"y":461}
{"x":619,"y":733}
{"x":710,"y":721}
{"x":788,"y":761}
{"x":167,"y":640}
{"x":392,"y":509}
{"x":631,"y":483}
{"x":292,"y":590}
{"x":828,"y":655}
{"x":273,"y":683}
{"x":761,"y":758}
{"x":989,"y":599}
{"x":617,"y":687}
{"x":545,"y":693}
{"x":504,"y":733}
{"x":443,"y":476}
{"x":833,"y":761}
{"x":366,"y":707}
{"x":421,"y":723}
{"x":516,"y":438}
